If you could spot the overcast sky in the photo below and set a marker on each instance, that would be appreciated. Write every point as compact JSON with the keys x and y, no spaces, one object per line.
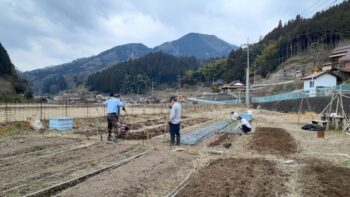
{"x":39,"y":33}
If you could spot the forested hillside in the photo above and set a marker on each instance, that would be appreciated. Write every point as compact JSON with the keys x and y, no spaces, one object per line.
{"x":54,"y":79}
{"x":326,"y":29}
{"x":6,"y":66}
{"x":10,"y":83}
{"x":136,"y":75}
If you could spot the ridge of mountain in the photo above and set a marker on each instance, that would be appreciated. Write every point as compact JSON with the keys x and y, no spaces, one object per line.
{"x":201,"y":46}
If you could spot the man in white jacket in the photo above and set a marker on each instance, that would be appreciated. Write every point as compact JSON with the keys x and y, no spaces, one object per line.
{"x":175,"y":120}
{"x":245,"y":126}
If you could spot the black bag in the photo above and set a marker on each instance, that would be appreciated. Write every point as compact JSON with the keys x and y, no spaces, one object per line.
{"x":312,"y":127}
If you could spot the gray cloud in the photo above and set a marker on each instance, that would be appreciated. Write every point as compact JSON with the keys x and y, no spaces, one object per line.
{"x":40,"y":33}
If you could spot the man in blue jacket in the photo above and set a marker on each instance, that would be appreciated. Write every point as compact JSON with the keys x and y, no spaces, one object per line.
{"x":113,"y":106}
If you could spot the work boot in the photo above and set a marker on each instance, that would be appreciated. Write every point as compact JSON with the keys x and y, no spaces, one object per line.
{"x":109,"y":138}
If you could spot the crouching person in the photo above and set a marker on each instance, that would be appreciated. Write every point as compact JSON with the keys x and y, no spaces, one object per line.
{"x":175,"y":121}
{"x":245,"y":126}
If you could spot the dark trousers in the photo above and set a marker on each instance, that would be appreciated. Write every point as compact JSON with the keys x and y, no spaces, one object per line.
{"x":112,"y":121}
{"x":174,"y":132}
{"x":246,"y":129}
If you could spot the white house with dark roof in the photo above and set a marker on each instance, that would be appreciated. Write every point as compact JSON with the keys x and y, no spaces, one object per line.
{"x":320,"y":80}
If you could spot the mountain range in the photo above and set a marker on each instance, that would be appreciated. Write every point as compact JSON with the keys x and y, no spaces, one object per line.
{"x":65,"y":76}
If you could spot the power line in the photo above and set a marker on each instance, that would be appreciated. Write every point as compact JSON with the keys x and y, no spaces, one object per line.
{"x":311,"y":11}
{"x":308,"y":9}
{"x":319,"y":6}
{"x":330,"y":4}
{"x":312,"y":8}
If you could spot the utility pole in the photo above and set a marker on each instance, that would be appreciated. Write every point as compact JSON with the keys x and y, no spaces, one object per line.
{"x":177,"y":50}
{"x":247,"y":99}
{"x":152,"y":87}
{"x":314,"y":58}
{"x":254,"y":76}
{"x":179,"y":82}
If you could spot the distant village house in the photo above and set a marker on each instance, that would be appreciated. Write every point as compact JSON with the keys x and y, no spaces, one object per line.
{"x":323,"y":79}
{"x":233,"y":87}
{"x":339,"y":62}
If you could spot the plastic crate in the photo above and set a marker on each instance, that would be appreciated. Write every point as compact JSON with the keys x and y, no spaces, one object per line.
{"x":61,"y":123}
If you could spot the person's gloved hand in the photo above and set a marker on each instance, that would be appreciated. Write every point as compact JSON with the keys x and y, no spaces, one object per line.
{"x":169,"y":122}
{"x":124,"y":109}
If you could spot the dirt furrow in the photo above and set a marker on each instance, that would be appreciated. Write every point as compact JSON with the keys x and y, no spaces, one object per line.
{"x":62,"y":166}
{"x":18,"y":147}
{"x":26,"y":157}
{"x":238,"y":177}
{"x":154,"y":174}
{"x":323,"y":179}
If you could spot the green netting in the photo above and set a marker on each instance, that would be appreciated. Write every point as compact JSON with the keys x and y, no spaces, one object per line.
{"x":232,"y":102}
{"x":318,"y":92}
{"x":277,"y":97}
{"x":343,"y":87}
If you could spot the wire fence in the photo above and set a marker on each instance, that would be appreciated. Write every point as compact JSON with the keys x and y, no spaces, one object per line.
{"x":12,"y":112}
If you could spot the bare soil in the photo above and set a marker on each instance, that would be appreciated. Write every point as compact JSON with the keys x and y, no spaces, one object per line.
{"x":34,"y":163}
{"x":148,"y":175}
{"x":237,"y":177}
{"x":151,"y":131}
{"x":134,"y":122}
{"x":38,"y":173}
{"x":276,"y":141}
{"x":25,"y":145}
{"x":324,"y":179}
{"x":223,"y":138}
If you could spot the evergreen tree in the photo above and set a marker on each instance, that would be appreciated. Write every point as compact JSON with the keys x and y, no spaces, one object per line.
{"x":6,"y":67}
